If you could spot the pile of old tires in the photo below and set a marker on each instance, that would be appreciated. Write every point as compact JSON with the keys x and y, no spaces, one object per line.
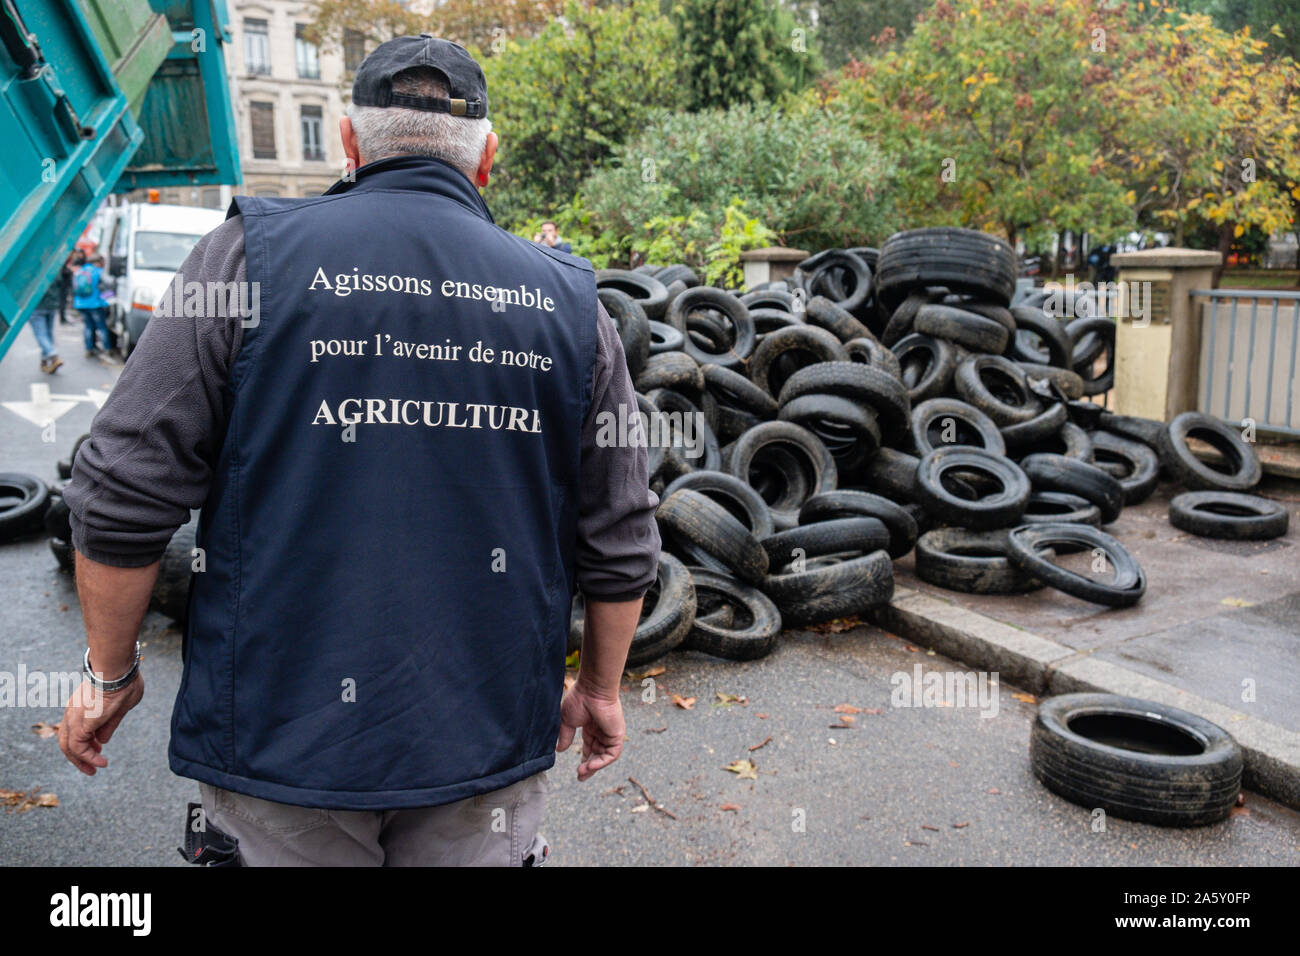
{"x":876,"y":402}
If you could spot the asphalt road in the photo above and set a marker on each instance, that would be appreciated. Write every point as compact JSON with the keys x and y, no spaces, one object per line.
{"x":901,"y":786}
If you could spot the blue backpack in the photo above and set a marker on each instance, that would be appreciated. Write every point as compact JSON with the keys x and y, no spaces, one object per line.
{"x":84,"y":287}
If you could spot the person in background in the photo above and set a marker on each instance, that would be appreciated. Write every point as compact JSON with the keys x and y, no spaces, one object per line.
{"x":70,"y":265}
{"x":89,"y":301}
{"x":42,"y":322}
{"x":550,"y":236}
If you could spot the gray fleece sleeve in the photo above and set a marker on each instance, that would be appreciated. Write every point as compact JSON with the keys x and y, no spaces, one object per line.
{"x":153,"y":445}
{"x":618,"y":540}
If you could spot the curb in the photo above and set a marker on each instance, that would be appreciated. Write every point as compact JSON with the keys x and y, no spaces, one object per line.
{"x":1271,"y":753}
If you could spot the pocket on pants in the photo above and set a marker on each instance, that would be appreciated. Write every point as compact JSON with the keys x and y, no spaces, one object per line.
{"x":281,"y":819}
{"x":527,"y":816}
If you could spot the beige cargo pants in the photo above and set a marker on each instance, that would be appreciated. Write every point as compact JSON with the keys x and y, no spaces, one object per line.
{"x":493,"y":829}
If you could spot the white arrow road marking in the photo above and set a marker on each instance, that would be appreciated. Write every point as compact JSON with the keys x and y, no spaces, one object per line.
{"x":95,"y":395}
{"x":43,"y":408}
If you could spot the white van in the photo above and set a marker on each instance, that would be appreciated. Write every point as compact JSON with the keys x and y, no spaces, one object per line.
{"x":147,"y":243}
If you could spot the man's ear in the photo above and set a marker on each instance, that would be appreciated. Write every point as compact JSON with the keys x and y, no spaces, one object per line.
{"x":484,"y":170}
{"x":349,"y":137}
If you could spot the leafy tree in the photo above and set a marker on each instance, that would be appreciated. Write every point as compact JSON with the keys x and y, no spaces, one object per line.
{"x":565,"y":99}
{"x":999,"y":115}
{"x":740,"y":51}
{"x":1261,"y":16}
{"x":804,"y":172}
{"x":1211,"y":131}
{"x":853,"y":29}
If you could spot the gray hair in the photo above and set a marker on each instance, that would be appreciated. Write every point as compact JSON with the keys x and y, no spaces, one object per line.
{"x":394,"y":131}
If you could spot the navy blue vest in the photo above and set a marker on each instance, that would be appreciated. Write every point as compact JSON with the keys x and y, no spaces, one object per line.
{"x":382,"y":620}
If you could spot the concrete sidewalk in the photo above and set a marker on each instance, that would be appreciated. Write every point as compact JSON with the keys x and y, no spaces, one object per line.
{"x":1217,"y":633}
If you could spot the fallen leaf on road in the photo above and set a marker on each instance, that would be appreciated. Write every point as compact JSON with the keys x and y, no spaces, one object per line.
{"x":618,"y":790}
{"x":726,"y":700}
{"x":761,"y":716}
{"x":994,"y":790}
{"x":909,"y":647}
{"x":19,"y":801}
{"x":760,"y":746}
{"x":642,"y":675}
{"x":1237,"y":602}
{"x":926,"y":826}
{"x":641,"y":808}
{"x":961,"y":826}
{"x":1025,"y":698}
{"x":914,"y":843}
{"x":44,"y":730}
{"x":847,"y":709}
{"x":685,"y":703}
{"x":743,"y":769}
{"x":733,"y":807}
{"x":837,"y":626}
{"x":655,"y":730}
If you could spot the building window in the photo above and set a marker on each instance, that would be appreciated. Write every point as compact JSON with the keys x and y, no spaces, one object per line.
{"x":354,"y":49}
{"x":210,"y":198}
{"x":257,"y":48}
{"x":306,"y":54}
{"x":268,"y":192}
{"x":312,"y":149}
{"x":262,"y":119}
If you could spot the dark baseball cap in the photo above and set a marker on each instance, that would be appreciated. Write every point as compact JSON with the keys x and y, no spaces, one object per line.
{"x":466,"y":84}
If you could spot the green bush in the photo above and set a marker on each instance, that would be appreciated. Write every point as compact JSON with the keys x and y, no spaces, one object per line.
{"x":802,"y":173}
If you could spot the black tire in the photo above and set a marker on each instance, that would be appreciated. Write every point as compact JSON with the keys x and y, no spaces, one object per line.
{"x":1070,"y":383}
{"x":1008,"y":400}
{"x":680,"y":459}
{"x":695,"y":525}
{"x":1228,"y":515}
{"x":734,"y":422}
{"x":649,"y":292}
{"x":900,"y":321}
{"x":803,"y":344}
{"x":847,"y":428}
{"x":667,"y":614}
{"x":633,"y":327}
{"x":1057,"y":507}
{"x":665,"y":338}
{"x":171,"y":590}
{"x":1148,"y":431}
{"x":741,"y":501}
{"x":893,"y":474}
{"x":715,"y":300}
{"x":1027,"y":543}
{"x":1244,"y":471}
{"x":1140,"y":466}
{"x":779,"y":300}
{"x":1000,"y":509}
{"x":961,"y":260}
{"x":1104,"y":329}
{"x":972,"y":562}
{"x":1135,"y":759}
{"x":1087,"y":415}
{"x":926,"y":365}
{"x":753,"y":632}
{"x":879,"y":390}
{"x":674,"y":370}
{"x":23,"y":500}
{"x":655,"y":450}
{"x":64,"y":554}
{"x":829,"y":591}
{"x":1051,"y":472}
{"x":838,"y":275}
{"x":867,"y":350}
{"x":1069,"y":440}
{"x":57,"y":519}
{"x":678,"y":273}
{"x":1054,"y":346}
{"x":814,"y":463}
{"x":849,"y":503}
{"x":977,"y":429}
{"x":841,"y":536}
{"x":835,"y":319}
{"x":1043,"y":425}
{"x":967,"y":329}
{"x":734,"y":390}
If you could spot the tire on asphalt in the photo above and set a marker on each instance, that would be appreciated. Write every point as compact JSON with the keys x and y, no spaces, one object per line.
{"x":1051,"y":472}
{"x":667,"y":614}
{"x":1135,"y":759}
{"x":1057,"y":507}
{"x":1139,"y":465}
{"x":1243,"y":468}
{"x":849,"y":503}
{"x":972,"y":562}
{"x":1000,"y":509}
{"x":696,"y":525}
{"x":860,"y":535}
{"x":755,"y":627}
{"x":1029,"y":544}
{"x":23,"y":500}
{"x":831,"y":590}
{"x":1229,"y":515}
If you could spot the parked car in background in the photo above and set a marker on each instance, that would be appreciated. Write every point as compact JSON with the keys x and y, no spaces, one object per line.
{"x":146,"y":245}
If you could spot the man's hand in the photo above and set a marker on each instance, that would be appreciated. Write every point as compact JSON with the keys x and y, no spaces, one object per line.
{"x":90,"y":719}
{"x":600,"y":718}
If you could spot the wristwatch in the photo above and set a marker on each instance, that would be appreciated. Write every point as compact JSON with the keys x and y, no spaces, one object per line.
{"x":108,"y":686}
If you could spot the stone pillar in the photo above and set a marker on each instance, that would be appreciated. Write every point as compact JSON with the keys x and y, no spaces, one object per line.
{"x":1156,"y":361}
{"x":770,"y":265}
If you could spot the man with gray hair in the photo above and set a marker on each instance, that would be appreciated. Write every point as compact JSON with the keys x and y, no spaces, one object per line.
{"x":401,"y":490}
